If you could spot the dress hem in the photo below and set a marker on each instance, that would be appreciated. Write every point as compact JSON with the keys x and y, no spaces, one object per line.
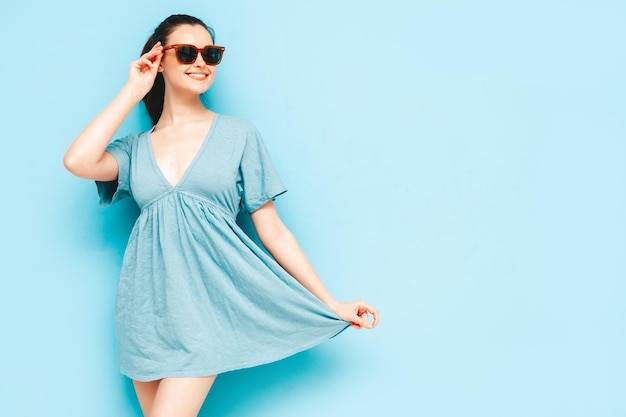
{"x":216,"y":371}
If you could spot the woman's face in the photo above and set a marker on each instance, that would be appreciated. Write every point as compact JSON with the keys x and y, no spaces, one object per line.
{"x":194,"y":78}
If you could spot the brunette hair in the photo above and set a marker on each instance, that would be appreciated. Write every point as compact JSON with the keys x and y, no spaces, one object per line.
{"x":155,"y":97}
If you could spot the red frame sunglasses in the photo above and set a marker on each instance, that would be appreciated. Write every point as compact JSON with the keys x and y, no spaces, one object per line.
{"x":187,"y":54}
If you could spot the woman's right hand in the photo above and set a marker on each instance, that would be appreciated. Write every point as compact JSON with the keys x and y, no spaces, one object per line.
{"x":143,"y":71}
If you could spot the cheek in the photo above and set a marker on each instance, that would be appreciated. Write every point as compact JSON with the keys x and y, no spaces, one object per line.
{"x":171,"y":72}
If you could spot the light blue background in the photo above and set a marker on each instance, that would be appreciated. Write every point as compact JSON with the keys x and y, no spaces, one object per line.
{"x":459,"y":164}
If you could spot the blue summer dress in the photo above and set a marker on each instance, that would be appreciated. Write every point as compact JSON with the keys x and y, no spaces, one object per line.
{"x":196,"y":296}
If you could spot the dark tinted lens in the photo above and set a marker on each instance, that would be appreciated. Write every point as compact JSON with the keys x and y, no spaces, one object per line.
{"x":211,"y":55}
{"x":186,"y":54}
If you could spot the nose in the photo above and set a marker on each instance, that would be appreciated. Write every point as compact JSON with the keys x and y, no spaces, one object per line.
{"x":199,"y":60}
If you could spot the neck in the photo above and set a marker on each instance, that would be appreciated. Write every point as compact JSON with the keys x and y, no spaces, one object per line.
{"x":180,"y":109}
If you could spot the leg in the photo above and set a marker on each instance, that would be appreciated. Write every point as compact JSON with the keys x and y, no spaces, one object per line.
{"x":180,"y":397}
{"x":146,"y":391}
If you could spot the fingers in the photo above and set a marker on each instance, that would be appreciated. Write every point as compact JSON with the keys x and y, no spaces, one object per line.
{"x":358,"y":314}
{"x":371,"y":310}
{"x":151,"y":59}
{"x":143,"y":71}
{"x":361,"y":318}
{"x":155,"y":53}
{"x":144,"y":64}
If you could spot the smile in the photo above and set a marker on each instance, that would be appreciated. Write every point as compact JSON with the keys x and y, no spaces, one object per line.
{"x":198,"y":76}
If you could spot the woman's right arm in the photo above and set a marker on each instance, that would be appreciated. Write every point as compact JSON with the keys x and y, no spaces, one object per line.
{"x":86,"y":156}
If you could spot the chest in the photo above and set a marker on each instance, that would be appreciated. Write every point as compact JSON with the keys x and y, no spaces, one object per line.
{"x":209,"y":169}
{"x":174,"y":154}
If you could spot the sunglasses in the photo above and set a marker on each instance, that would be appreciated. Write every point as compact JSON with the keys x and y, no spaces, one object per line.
{"x":187,"y":54}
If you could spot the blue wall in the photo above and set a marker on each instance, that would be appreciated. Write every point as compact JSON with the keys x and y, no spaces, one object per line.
{"x":460,"y":164}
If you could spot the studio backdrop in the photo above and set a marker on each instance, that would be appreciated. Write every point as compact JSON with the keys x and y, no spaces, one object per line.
{"x":458,"y":164}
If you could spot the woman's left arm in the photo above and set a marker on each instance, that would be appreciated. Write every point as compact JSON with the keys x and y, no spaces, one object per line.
{"x":281,"y":243}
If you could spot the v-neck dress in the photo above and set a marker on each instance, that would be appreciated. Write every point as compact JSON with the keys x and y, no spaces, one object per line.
{"x":196,"y":296}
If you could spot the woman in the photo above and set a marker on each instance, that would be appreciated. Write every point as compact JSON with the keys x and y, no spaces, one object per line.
{"x":196,"y":297}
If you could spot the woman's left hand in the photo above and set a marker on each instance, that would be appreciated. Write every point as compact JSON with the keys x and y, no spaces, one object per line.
{"x":358,"y":313}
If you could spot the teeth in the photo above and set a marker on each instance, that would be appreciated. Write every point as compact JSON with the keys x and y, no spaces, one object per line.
{"x":196,"y":75}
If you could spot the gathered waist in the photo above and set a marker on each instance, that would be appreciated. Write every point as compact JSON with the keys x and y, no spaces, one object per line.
{"x":186,"y":194}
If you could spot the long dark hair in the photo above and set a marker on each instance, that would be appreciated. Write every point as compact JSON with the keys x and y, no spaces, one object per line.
{"x":155,"y":97}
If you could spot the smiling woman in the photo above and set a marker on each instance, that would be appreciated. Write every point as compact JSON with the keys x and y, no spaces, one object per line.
{"x":196,"y":297}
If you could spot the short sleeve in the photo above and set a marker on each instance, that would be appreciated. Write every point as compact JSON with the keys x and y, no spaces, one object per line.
{"x":259,"y":181}
{"x":111,"y":192}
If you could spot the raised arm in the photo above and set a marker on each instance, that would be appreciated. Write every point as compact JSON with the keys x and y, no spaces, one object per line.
{"x":281,"y":243}
{"x":86,"y":156}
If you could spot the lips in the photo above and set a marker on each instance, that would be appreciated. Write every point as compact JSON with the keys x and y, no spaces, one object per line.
{"x":198,"y":75}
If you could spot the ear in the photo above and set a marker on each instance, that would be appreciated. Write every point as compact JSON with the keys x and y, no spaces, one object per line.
{"x":160,"y":59}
